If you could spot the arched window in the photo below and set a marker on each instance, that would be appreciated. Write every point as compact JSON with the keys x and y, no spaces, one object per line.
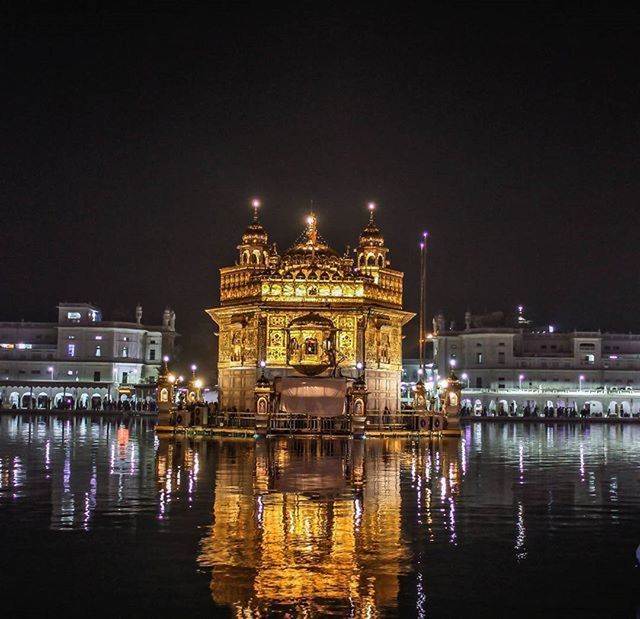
{"x":371,"y":260}
{"x":380,"y":261}
{"x":164,"y":395}
{"x":254,"y":259}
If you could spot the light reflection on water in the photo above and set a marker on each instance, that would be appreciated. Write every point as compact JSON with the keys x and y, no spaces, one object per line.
{"x":308,"y":527}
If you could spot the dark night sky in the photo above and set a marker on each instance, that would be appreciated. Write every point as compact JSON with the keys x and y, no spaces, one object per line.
{"x":132,"y":142}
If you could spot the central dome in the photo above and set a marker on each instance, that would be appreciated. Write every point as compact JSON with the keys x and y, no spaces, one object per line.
{"x":310,"y":243}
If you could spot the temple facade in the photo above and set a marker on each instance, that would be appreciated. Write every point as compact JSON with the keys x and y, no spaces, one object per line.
{"x":310,"y":314}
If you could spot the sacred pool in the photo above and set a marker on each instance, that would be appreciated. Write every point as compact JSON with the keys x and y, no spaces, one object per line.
{"x":507,"y":520}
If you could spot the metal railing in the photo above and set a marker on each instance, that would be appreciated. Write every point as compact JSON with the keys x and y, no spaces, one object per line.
{"x":390,"y":422}
{"x":300,"y":423}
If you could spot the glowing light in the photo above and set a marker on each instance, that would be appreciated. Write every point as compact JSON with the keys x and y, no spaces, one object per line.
{"x":359,"y":365}
{"x":465,"y":376}
{"x":371,"y":206}
{"x":165,"y":358}
{"x":194,"y":367}
{"x":255,"y":203}
{"x":198,"y":384}
{"x":180,"y":378}
{"x":311,"y":219}
{"x":452,"y":363}
{"x":263,"y":364}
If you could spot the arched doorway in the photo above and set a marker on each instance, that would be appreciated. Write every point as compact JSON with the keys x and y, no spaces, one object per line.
{"x":28,"y":401}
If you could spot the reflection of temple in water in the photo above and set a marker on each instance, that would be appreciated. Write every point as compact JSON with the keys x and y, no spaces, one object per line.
{"x":314,"y":527}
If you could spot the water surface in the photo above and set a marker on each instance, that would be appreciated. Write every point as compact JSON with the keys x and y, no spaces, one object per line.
{"x":512,"y":520}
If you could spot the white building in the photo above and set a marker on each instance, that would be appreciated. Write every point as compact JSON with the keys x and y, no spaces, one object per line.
{"x":81,"y":361}
{"x":519,"y":365}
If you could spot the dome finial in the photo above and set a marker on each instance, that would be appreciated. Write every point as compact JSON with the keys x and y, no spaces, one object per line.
{"x":255,"y":203}
{"x":372,"y":207}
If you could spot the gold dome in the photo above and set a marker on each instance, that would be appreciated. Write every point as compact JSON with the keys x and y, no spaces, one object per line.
{"x":310,"y":243}
{"x":371,"y":235}
{"x":255,"y":234}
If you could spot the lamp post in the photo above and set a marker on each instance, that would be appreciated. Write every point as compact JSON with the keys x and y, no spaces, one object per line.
{"x":194,"y":367}
{"x":520,"y":379}
{"x":580,"y":378}
{"x":465,"y":376}
{"x":50,"y":370}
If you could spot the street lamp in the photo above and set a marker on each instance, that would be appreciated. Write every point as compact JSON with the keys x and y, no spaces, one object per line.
{"x":194,"y":367}
{"x":50,"y":370}
{"x":581,"y":378}
{"x":465,"y":376}
{"x":359,"y":368}
{"x":452,"y":363}
{"x":520,"y":379}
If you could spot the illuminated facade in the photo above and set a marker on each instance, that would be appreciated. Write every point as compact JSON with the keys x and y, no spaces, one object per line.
{"x":81,"y":361}
{"x":310,"y":312}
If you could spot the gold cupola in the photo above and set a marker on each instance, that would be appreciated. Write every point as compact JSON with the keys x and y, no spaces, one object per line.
{"x":254,"y":249}
{"x":371,"y":253}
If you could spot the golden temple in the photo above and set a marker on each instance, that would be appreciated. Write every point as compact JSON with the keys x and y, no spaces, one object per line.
{"x":309,"y":313}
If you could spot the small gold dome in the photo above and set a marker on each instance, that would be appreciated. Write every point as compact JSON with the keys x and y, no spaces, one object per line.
{"x":371,"y":235}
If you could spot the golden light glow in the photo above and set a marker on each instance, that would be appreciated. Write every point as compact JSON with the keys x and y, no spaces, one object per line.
{"x":198,"y":384}
{"x":312,"y":531}
{"x":172,"y":378}
{"x":266,"y":290}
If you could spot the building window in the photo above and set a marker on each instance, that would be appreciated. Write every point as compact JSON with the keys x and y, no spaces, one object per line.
{"x":125,"y":377}
{"x":479,"y":382}
{"x":35,"y":371}
{"x":479,"y":358}
{"x":125,"y":338}
{"x":98,"y":337}
{"x":125,"y":351}
{"x":96,"y":377}
{"x":501,"y":357}
{"x":98,"y":351}
{"x":73,"y":316}
{"x":152,"y":354}
{"x":71,"y":337}
{"x":71,"y":350}
{"x":589,"y":359}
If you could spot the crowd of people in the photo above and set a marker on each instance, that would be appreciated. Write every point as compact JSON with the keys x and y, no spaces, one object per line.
{"x":534,"y":411}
